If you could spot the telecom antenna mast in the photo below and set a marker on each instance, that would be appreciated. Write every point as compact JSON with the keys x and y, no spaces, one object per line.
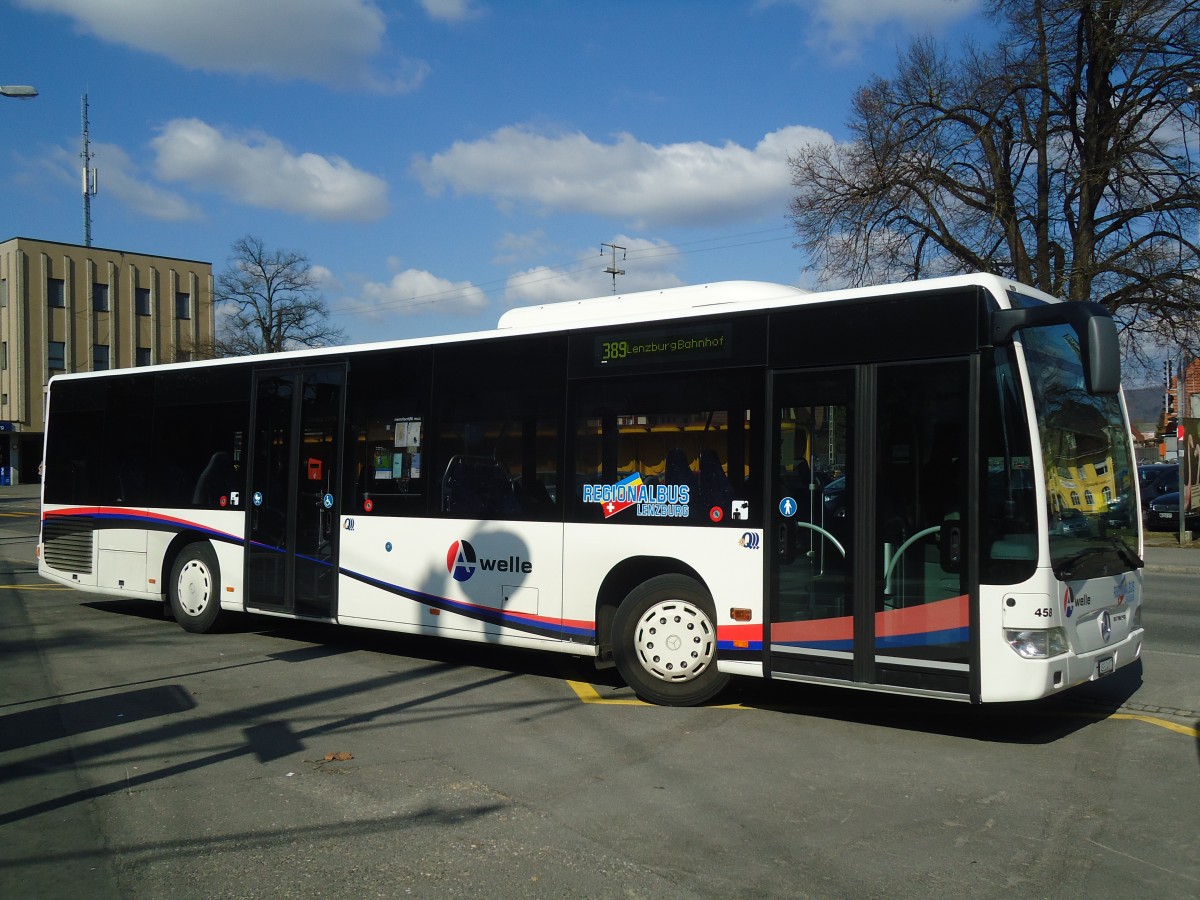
{"x":89,"y":179}
{"x":612,"y":269}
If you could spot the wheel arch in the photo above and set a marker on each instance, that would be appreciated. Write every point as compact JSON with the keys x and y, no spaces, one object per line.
{"x":175,"y":547}
{"x":622,"y":579}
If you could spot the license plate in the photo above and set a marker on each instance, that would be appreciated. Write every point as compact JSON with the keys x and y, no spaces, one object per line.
{"x":1106,"y":665}
{"x":1166,"y":515}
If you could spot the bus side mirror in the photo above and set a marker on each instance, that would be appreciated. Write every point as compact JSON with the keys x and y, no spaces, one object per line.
{"x":1092,"y":324}
{"x":951,"y":544}
{"x":1102,"y":356}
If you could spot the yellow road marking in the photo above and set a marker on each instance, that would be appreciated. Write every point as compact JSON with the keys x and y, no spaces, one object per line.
{"x":1154,"y":720}
{"x":588,"y":694}
{"x":35,"y":587}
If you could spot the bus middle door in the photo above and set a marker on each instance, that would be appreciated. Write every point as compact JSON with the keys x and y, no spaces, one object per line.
{"x":292,"y":535}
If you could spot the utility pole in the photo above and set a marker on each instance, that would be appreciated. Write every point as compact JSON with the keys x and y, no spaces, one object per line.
{"x":612,"y":269}
{"x":89,"y":179}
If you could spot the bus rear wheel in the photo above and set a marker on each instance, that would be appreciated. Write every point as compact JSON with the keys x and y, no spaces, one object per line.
{"x":194,"y":589}
{"x":665,"y":642}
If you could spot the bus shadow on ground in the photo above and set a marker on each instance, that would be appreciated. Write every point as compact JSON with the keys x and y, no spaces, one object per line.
{"x":320,"y":639}
{"x":1033,"y":722}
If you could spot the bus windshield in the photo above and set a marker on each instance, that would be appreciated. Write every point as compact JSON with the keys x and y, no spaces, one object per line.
{"x":1086,"y":462}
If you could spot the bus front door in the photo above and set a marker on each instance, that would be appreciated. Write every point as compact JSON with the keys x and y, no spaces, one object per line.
{"x":292,"y":535}
{"x":870,"y":534}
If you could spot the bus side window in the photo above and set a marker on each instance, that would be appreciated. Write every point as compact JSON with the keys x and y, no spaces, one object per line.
{"x":387,"y":406}
{"x":665,"y":450}
{"x":498,"y":429}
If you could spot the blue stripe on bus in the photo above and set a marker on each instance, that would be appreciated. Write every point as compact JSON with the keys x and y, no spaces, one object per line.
{"x":517,"y":622}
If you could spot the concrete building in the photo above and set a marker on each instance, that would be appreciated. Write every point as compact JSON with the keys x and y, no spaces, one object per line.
{"x":69,"y":308}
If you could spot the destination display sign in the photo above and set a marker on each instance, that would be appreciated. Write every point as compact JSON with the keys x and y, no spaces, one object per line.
{"x":632,"y":347}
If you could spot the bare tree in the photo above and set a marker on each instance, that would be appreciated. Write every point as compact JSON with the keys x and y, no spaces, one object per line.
{"x":1058,"y":155}
{"x":279,"y":306}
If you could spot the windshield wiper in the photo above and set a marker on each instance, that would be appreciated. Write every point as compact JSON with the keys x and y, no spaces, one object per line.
{"x":1066,"y":568}
{"x":1127,"y":553}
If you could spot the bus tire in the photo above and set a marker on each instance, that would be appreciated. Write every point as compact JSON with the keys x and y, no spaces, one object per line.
{"x":665,"y":642}
{"x":193,"y":589}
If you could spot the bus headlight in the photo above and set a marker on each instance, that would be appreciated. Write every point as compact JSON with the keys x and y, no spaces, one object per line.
{"x":1038,"y":643}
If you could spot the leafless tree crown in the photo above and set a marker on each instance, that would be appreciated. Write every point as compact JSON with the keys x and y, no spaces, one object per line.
{"x":1062,"y":155}
{"x":278,"y":303}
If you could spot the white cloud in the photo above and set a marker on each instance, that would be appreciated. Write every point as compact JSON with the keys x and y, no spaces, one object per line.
{"x":260,"y":171}
{"x":118,"y":177}
{"x":842,"y":26}
{"x":451,"y":10}
{"x":626,"y":179}
{"x":325,"y":280}
{"x":415,"y":291}
{"x":336,"y":42}
{"x":512,"y":247}
{"x":648,"y":264}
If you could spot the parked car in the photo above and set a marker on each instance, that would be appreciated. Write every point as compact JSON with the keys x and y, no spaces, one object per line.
{"x":1071,"y":521}
{"x":1163,"y":514}
{"x":1157,"y":479}
{"x":833,"y":499}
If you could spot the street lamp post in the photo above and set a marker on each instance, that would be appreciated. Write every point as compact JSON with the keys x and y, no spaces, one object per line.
{"x":20,"y":91}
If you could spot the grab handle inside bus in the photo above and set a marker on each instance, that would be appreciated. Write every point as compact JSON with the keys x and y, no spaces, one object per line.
{"x":1091,"y":322}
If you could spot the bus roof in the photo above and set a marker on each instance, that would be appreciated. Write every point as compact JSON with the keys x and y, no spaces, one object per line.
{"x":728,"y":296}
{"x":649,"y":304}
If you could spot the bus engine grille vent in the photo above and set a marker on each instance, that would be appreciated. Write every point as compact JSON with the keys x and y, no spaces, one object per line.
{"x":67,"y":543}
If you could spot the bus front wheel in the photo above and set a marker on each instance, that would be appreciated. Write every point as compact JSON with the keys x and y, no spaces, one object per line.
{"x":194,"y":589}
{"x":665,"y":642}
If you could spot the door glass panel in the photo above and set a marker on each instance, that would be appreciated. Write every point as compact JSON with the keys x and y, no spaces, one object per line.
{"x":316,"y":501}
{"x":811,"y":606}
{"x":269,"y":491}
{"x":920,"y":510}
{"x":292,"y":547}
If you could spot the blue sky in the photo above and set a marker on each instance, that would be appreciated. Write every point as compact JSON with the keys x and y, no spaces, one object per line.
{"x":440,"y":161}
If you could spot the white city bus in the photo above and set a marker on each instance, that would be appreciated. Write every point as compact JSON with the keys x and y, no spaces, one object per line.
{"x":925,"y":488}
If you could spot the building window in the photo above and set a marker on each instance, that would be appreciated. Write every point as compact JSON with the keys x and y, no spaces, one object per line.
{"x":100,"y":297}
{"x":4,"y":355}
{"x":142,"y":301}
{"x":183,"y":356}
{"x":56,"y":293}
{"x":99,"y":357}
{"x":56,"y":355}
{"x":142,"y":357}
{"x":183,"y":305}
{"x":3,"y":292}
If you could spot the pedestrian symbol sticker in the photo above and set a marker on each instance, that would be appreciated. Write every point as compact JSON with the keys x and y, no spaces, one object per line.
{"x":787,"y":507}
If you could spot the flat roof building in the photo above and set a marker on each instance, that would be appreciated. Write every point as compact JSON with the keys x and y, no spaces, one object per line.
{"x":70,"y":308}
